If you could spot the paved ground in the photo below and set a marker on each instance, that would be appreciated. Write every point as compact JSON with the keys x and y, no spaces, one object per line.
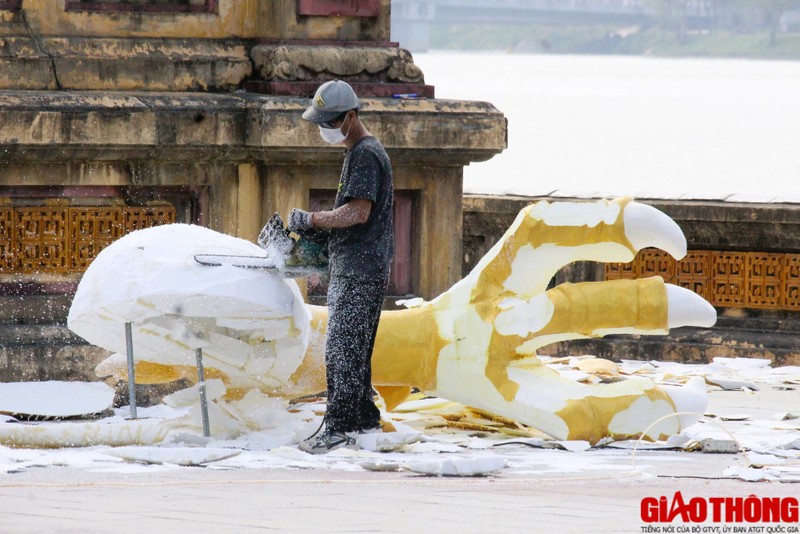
{"x":201,"y":500}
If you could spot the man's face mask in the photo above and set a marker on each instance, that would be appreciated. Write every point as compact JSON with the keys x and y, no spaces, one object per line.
{"x":333,"y":136}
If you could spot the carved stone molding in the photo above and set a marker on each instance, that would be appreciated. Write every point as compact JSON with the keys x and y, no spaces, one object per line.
{"x":123,"y":64}
{"x":305,"y":63}
{"x":110,"y":126}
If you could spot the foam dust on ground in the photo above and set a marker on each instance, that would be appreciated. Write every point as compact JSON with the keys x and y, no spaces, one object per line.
{"x":431,"y":436}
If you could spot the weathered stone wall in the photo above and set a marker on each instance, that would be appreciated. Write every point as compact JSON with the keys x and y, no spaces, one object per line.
{"x":244,"y":156}
{"x":44,"y":46}
{"x":270,"y":19}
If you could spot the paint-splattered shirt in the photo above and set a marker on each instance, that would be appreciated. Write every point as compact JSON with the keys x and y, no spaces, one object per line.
{"x":365,"y":249}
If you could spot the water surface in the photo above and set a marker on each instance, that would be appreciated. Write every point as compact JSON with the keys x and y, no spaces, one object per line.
{"x":646,"y":127}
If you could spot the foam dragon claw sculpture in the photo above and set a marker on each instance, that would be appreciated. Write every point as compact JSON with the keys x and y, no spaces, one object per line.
{"x":475,"y":344}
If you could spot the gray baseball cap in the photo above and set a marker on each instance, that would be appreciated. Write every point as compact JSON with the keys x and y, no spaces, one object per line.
{"x":331,"y":100}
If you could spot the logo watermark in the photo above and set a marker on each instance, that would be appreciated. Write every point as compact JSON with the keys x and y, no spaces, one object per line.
{"x":735,"y":514}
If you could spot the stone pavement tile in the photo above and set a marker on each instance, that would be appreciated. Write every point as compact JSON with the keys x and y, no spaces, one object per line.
{"x":197,"y":501}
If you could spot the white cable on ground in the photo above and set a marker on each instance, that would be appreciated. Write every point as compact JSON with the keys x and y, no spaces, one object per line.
{"x":700,"y":416}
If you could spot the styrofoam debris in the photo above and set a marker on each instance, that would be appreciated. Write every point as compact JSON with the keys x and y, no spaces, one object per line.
{"x":459,"y":467}
{"x":173,"y":455}
{"x":386,"y":441}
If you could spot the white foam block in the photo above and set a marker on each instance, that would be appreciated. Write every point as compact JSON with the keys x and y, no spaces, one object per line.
{"x":173,"y":455}
{"x":54,"y":398}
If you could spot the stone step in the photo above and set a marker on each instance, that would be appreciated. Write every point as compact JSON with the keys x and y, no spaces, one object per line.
{"x":66,"y":362}
{"x":689,"y":345}
{"x":34,"y":309}
{"x":760,"y":324}
{"x":37,"y":335}
{"x":30,"y":353}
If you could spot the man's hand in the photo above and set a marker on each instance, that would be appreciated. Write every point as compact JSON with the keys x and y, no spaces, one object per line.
{"x":299,"y":221}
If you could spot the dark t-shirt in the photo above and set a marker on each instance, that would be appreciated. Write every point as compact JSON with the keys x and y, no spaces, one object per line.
{"x":365,"y":249}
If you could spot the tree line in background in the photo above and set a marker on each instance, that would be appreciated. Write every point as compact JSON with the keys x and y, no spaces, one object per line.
{"x":683,"y":16}
{"x":677,"y":28}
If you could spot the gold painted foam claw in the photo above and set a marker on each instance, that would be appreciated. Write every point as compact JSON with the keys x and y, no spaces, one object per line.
{"x":476,"y":343}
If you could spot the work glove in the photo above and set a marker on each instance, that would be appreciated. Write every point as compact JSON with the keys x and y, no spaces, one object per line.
{"x":299,"y":221}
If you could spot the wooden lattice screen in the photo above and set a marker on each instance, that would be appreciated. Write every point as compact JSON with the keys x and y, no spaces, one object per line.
{"x":725,"y":279}
{"x":65,"y":239}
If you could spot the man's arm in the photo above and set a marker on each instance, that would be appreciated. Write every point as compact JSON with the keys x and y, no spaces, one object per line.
{"x":354,"y":212}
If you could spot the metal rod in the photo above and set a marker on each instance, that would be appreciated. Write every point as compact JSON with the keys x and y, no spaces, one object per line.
{"x":201,"y":377}
{"x":131,"y":373}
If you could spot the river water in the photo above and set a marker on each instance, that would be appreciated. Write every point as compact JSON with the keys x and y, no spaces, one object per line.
{"x":647,"y":127}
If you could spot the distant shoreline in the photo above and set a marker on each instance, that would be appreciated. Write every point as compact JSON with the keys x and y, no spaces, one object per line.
{"x":615,"y":41}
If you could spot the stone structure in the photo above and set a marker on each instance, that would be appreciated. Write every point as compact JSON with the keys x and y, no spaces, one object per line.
{"x":743,"y":258}
{"x":118,"y":115}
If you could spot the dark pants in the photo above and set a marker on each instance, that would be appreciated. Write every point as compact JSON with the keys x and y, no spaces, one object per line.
{"x":354,"y":307}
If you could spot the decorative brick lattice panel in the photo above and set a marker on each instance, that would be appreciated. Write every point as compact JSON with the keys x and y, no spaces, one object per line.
{"x":620,"y":271}
{"x":694,"y":272}
{"x":91,"y":230}
{"x":8,"y":241}
{"x":725,"y":279}
{"x":147,"y":217}
{"x":61,"y":239}
{"x":728,"y":271}
{"x":763,"y":280}
{"x":42,"y":240}
{"x":653,"y":262}
{"x":791,"y":282}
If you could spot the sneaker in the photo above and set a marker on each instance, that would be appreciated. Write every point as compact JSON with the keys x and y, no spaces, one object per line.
{"x":327,"y":441}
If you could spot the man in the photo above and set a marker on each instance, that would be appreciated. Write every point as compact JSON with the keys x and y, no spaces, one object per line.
{"x":360,"y":250}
